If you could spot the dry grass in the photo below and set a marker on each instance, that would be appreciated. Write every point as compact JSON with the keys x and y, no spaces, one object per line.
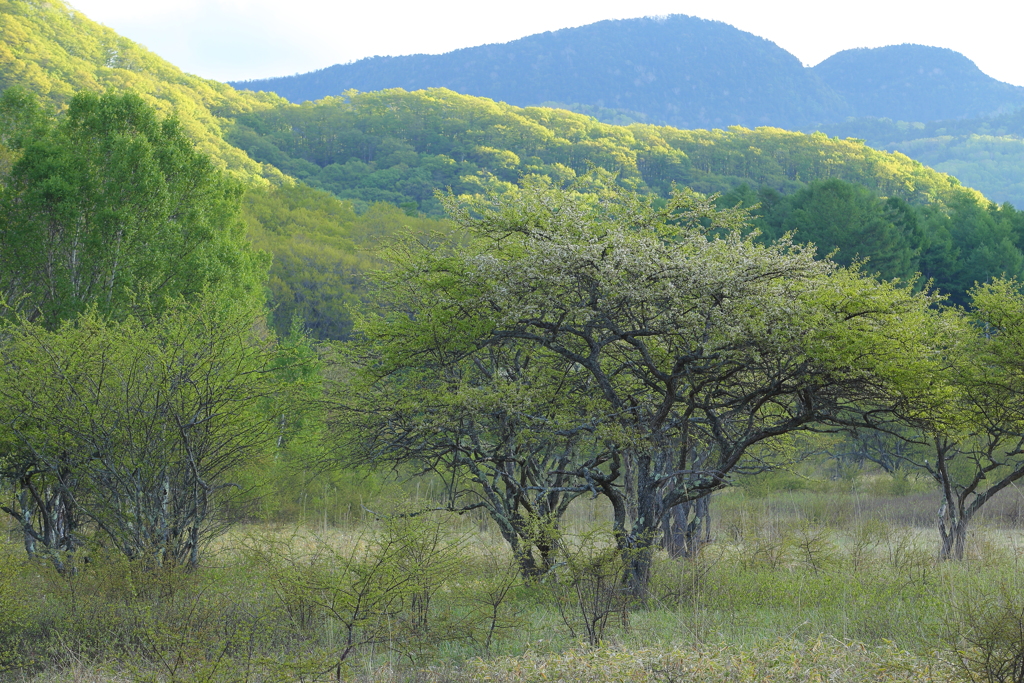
{"x":819,"y":659}
{"x":847,"y":577}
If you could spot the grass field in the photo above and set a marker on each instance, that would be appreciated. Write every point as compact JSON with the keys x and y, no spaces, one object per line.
{"x":835,"y":581}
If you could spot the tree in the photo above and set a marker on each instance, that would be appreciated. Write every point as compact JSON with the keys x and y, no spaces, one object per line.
{"x":688,"y":344}
{"x":110,"y":220}
{"x":132,"y":433}
{"x":494,"y":423}
{"x":973,"y":425}
{"x":110,"y":207}
{"x":834,"y":214}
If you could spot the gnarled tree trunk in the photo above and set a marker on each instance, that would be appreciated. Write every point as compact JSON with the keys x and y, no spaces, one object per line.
{"x":687,"y":528}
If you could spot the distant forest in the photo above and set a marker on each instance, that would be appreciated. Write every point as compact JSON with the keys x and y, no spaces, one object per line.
{"x":895,"y":214}
{"x":685,"y":72}
{"x":932,"y":104}
{"x":984,"y":153}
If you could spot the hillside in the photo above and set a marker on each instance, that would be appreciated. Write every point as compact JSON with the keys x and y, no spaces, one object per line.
{"x":55,"y":51}
{"x":400,"y":146}
{"x":984,"y":153}
{"x":915,"y":83}
{"x":679,"y":70}
{"x":378,"y":158}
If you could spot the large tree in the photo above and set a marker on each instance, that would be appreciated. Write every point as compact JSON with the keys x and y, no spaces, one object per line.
{"x":686,"y":344}
{"x":493,"y":424}
{"x":109,"y":206}
{"x":110,"y":213}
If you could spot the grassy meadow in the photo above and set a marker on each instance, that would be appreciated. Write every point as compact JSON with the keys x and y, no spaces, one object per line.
{"x":805,"y":580}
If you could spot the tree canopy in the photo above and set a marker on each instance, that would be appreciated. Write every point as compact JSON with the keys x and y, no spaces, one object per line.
{"x":109,"y":206}
{"x":399,"y":146}
{"x":669,"y":342}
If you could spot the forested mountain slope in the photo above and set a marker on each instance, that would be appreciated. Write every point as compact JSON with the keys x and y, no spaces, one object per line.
{"x":915,"y":83}
{"x":985,"y":153}
{"x":677,"y":70}
{"x":400,"y":146}
{"x":681,"y":71}
{"x":55,"y":51}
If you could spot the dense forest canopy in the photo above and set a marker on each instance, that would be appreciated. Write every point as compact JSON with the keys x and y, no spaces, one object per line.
{"x":953,"y":248}
{"x":399,"y":146}
{"x":322,"y":251}
{"x":109,"y":207}
{"x":984,"y":153}
{"x":55,"y":51}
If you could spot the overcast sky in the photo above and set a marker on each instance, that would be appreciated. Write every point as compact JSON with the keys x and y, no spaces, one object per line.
{"x":243,"y":39}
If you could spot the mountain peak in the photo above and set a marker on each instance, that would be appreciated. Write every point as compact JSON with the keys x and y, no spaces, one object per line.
{"x":915,"y":83}
{"x":677,"y":69}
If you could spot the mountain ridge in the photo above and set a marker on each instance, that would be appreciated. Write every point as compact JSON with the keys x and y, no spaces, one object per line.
{"x":665,"y":53}
{"x":678,"y":70}
{"x":911,"y":82}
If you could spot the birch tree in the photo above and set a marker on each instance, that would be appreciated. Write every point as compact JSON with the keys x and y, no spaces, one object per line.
{"x":131,"y":434}
{"x":111,"y":207}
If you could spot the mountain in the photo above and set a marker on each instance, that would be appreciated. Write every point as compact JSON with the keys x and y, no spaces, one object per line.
{"x":915,"y":83}
{"x":55,"y":51}
{"x":684,"y":72}
{"x":678,"y":70}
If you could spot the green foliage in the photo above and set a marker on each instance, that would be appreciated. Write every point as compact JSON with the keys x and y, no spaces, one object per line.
{"x":322,"y":252}
{"x":578,"y":340}
{"x":13,"y":610}
{"x":134,"y":432}
{"x":110,"y":207}
{"x":986,"y":632}
{"x":953,"y":248}
{"x":989,"y":163}
{"x":166,"y":624}
{"x":837,"y":215}
{"x":983,"y":153}
{"x":966,"y":411}
{"x":382,"y":590}
{"x":860,"y":599}
{"x":775,"y":481}
{"x":589,"y":586}
{"x":57,"y":53}
{"x":400,"y":146}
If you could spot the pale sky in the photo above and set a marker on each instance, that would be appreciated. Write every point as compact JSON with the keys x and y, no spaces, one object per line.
{"x":243,"y":39}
